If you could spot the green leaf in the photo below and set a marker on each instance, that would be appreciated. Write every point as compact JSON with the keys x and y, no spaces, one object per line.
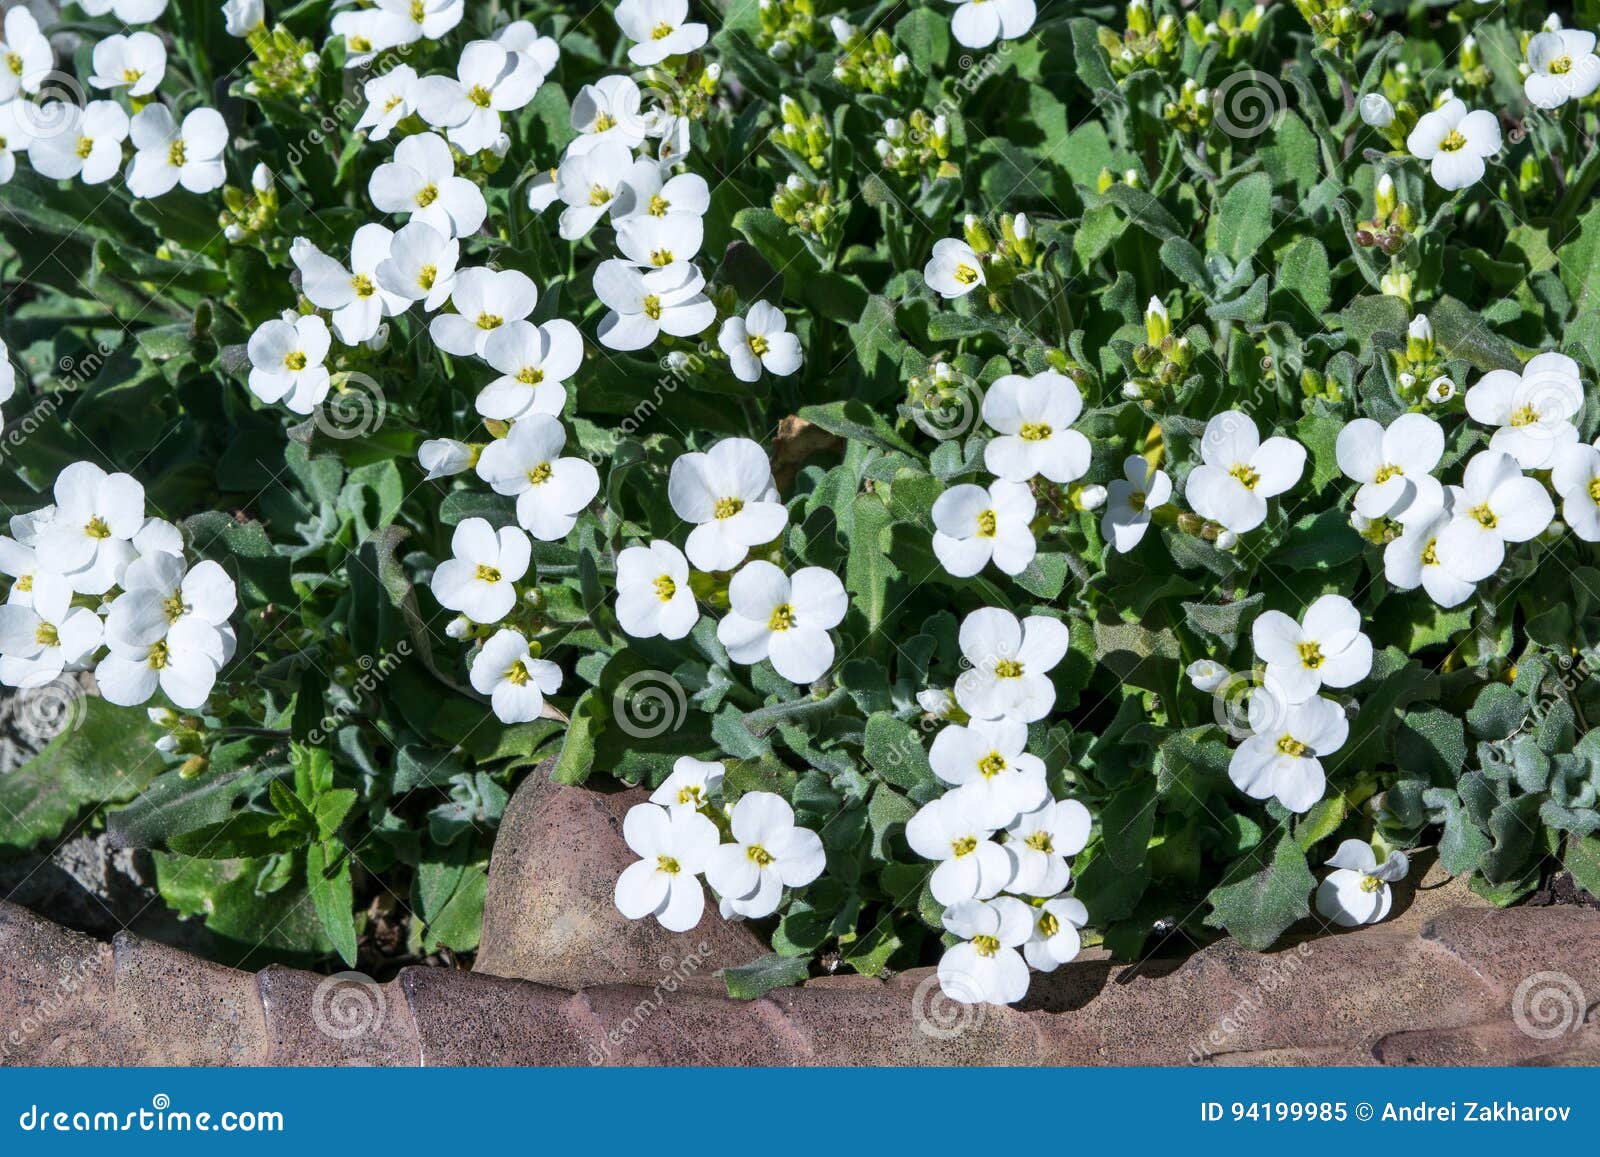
{"x":759,"y":977}
{"x":1258,"y":909}
{"x":1496,"y":712}
{"x":1244,"y":217}
{"x":1582,"y":859}
{"x":328,"y":880}
{"x":576,"y":759}
{"x":894,"y":750}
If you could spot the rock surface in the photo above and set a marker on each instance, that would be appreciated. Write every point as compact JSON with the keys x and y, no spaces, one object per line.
{"x":563,"y":980}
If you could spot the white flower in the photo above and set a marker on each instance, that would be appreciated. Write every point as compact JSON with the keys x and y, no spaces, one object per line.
{"x":674,"y":846}
{"x":1357,"y":892}
{"x":21,"y":563}
{"x":534,"y":361}
{"x":1041,"y":840}
{"x":420,"y":266}
{"x":127,"y":11}
{"x":1456,"y":142}
{"x":86,"y":142}
{"x":1497,"y":504}
{"x":646,"y":302}
{"x":973,"y":525}
{"x":784,"y":618}
{"x":692,"y":783}
{"x":27,"y":54}
{"x":590,"y":184}
{"x":422,"y":181}
{"x":1376,"y":110}
{"x":1533,"y":409}
{"x":656,"y":242}
{"x":971,"y":865}
{"x":485,"y":300}
{"x":286,"y":362}
{"x":1324,"y":649}
{"x":521,"y":36}
{"x":389,"y":101}
{"x":159,"y":591}
{"x":768,"y":853}
{"x":481,"y":580}
{"x":443,"y":457}
{"x":1240,"y":472}
{"x":88,"y":538}
{"x":1441,"y":390}
{"x":653,"y":593}
{"x":41,"y":638}
{"x":979,"y":23}
{"x":551,"y":491}
{"x":954,"y":269}
{"x":1417,"y":558}
{"x":758,"y":341}
{"x":489,"y":80}
{"x":1055,"y":938}
{"x":986,"y":761}
{"x":658,"y":29}
{"x":1009,"y":676}
{"x":183,"y":662}
{"x":169,"y":155}
{"x":1206,"y":674}
{"x":1394,"y":465}
{"x":1033,"y":417}
{"x":986,"y":968}
{"x":16,"y":135}
{"x":1281,"y":759}
{"x":136,"y":62}
{"x":728,"y":493}
{"x":1576,"y":477}
{"x":514,"y":680}
{"x":645,"y":191}
{"x":1130,"y":501}
{"x":607,"y":110}
{"x":370,"y":31}
{"x":242,"y":17}
{"x":353,"y":295}
{"x":1562,"y":66}
{"x":428,"y":19}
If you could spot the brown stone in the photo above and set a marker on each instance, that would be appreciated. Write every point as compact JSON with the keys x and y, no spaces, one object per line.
{"x":182,"y":1010}
{"x":344,"y":1020}
{"x":549,"y":916}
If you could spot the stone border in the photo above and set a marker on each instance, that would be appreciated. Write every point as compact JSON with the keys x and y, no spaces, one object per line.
{"x":1442,"y":983}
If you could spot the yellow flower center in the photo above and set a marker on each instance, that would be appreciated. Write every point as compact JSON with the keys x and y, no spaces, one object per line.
{"x":419,"y":10}
{"x":658,"y":205}
{"x":1453,"y":142}
{"x":691,"y":795}
{"x":1008,"y":669}
{"x":487,"y":574}
{"x":1289,"y":745}
{"x":1560,"y":66}
{"x":1430,"y":555}
{"x":530,"y":375}
{"x":986,"y":945}
{"x":987,"y":523}
{"x":427,"y":275}
{"x":490,"y":321}
{"x":758,"y":344}
{"x":1387,"y":472}
{"x":25,"y":583}
{"x":652,"y":307}
{"x":480,"y":96}
{"x":782,"y":618}
{"x":295,"y":360}
{"x":599,"y":195}
{"x":47,"y":636}
{"x":132,"y":75}
{"x":1484,"y":517}
{"x":540,"y":474}
{"x":965,"y":274}
{"x":1594,"y":489}
{"x":1310,"y":655}
{"x":177,"y":154}
{"x":516,"y":674}
{"x":1524,"y":415}
{"x":174,"y":608}
{"x":363,"y":286}
{"x":392,"y":103}
{"x":427,"y":195}
{"x":96,"y":528}
{"x":1248,"y":478}
{"x":991,"y":765}
{"x":85,"y":147}
{"x":668,"y":865}
{"x":604,"y":122}
{"x":758,"y":855}
{"x":660,"y":257}
{"x":1034,"y":432}
{"x":14,"y":63}
{"x":1048,"y":925}
{"x":661,"y":31}
{"x":1136,"y":501}
{"x":665,"y":588}
{"x":359,"y":44}
{"x":727,"y":507}
{"x":1040,"y":842}
{"x":1371,"y":884}
{"x":965,"y":846}
{"x":158,"y":656}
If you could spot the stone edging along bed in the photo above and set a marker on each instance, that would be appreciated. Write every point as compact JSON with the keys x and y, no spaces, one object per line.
{"x":562,"y":978}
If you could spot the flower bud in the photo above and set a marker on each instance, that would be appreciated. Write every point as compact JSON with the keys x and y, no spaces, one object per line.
{"x":1419,"y":339}
{"x":1441,"y":390}
{"x":1385,"y":196}
{"x":977,"y":234}
{"x":458,"y":628}
{"x":1157,"y":322}
{"x":442,"y":457}
{"x":261,"y":178}
{"x":1376,"y":110}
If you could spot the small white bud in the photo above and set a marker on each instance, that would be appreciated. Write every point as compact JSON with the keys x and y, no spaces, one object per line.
{"x":1376,"y":110}
{"x":458,"y":628}
{"x":442,"y":457}
{"x":1441,"y":390}
{"x":1092,"y":497}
